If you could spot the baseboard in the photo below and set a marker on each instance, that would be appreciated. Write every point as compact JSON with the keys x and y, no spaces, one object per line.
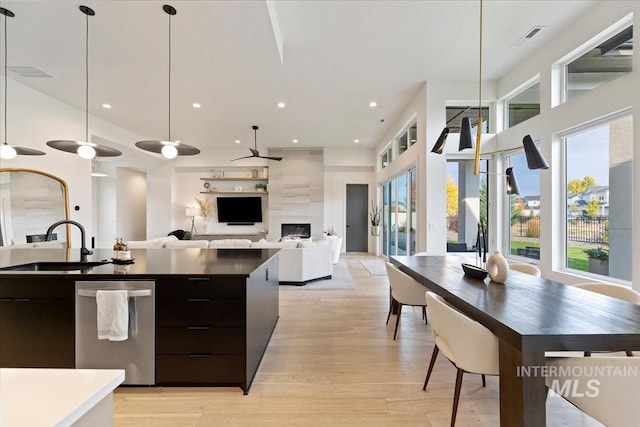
{"x":305,"y":282}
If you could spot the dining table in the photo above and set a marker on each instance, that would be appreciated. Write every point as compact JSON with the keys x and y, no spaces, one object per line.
{"x":530,"y":316}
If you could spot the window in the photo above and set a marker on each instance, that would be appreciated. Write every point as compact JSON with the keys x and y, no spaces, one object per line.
{"x":385,"y":158}
{"x":407,"y":138}
{"x":605,"y":62}
{"x":599,"y":161}
{"x":466,"y":198}
{"x":456,"y":114}
{"x":523,"y":106}
{"x":523,"y":210}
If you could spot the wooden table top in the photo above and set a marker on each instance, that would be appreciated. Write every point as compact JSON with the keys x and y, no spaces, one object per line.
{"x":531,"y":311}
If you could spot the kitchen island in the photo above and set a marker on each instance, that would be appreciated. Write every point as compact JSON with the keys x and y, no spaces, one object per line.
{"x":215,"y":309}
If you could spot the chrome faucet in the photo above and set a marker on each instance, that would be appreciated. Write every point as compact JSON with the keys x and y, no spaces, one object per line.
{"x":83,"y":250}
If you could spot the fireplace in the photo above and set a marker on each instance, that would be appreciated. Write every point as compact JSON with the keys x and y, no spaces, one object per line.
{"x":296,"y":230}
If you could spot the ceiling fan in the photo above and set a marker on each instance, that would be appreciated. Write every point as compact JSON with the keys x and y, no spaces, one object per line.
{"x":254,"y":150}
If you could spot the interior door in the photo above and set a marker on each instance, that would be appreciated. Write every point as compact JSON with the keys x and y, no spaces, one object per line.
{"x":356,"y":238}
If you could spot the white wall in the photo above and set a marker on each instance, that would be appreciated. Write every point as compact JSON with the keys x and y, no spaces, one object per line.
{"x":609,"y":98}
{"x":344,"y":166}
{"x":131,"y":204}
{"x":35,"y":118}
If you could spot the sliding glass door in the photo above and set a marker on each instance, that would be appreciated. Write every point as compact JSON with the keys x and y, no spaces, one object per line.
{"x":399,"y":215}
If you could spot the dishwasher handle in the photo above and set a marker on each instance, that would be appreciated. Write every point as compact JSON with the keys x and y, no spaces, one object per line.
{"x":91,"y":293}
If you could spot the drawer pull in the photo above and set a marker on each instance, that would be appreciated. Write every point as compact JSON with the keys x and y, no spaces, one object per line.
{"x":198,"y":328}
{"x":200,"y":355}
{"x":22,"y":299}
{"x":198,"y":279}
{"x":198,"y":299}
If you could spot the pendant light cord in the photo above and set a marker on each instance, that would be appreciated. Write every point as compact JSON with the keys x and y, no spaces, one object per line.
{"x":476,"y":163}
{"x":169,"y":77}
{"x":86,"y":88}
{"x":5,"y":79}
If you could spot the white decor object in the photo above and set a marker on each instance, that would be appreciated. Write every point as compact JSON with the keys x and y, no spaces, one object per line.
{"x":498,"y":267}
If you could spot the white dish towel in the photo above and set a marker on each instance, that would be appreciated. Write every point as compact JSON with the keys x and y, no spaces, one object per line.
{"x":113,"y":315}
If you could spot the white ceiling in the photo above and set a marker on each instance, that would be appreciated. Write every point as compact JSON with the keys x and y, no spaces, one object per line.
{"x":338,"y":56}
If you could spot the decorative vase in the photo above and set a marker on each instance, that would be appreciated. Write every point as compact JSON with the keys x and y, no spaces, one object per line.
{"x":205,"y":223}
{"x":498,"y":267}
{"x":375,"y":230}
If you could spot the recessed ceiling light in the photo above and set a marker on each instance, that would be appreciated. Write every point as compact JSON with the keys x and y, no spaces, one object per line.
{"x":237,"y":141}
{"x":195,"y":105}
{"x":107,"y":106}
{"x":373,"y":104}
{"x":281,"y":104}
{"x":295,"y":141}
{"x":356,"y":141}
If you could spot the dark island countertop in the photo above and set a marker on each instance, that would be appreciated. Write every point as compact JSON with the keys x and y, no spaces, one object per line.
{"x":147,"y":262}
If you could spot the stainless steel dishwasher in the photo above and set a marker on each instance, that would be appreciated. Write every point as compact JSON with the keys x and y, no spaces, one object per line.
{"x":136,"y":354}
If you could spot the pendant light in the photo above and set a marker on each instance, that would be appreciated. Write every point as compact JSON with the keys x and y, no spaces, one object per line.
{"x":85,"y":149}
{"x":7,"y":152}
{"x":169,"y":149}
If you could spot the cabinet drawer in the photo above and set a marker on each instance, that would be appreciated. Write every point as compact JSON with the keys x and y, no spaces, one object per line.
{"x":200,"y":369}
{"x":194,"y":287}
{"x":36,"y":287}
{"x":200,"y":339}
{"x":200,"y":311}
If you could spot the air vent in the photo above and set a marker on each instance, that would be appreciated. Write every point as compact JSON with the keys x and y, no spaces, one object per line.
{"x":528,"y":36}
{"x":31,"y":72}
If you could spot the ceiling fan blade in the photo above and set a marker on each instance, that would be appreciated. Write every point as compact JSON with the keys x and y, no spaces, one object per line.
{"x":240,"y":158}
{"x":270,"y":158}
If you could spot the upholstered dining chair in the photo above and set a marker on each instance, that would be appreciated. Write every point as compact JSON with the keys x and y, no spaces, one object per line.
{"x":526,"y":268}
{"x":466,"y":343}
{"x":405,"y":290}
{"x":605,"y":388}
{"x":615,"y":291}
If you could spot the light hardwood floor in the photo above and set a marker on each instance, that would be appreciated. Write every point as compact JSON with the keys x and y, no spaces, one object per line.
{"x":332,"y":361}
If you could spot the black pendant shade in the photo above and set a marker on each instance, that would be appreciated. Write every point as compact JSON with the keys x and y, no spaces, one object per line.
{"x":85,"y":149}
{"x":169,"y":149}
{"x":512,"y":182}
{"x":466,"y":139}
{"x":439,"y":146}
{"x":72,"y":147}
{"x":7,"y":151}
{"x":533,"y":154}
{"x":155,"y":146}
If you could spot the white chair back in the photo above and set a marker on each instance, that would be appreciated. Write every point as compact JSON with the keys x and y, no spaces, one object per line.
{"x":468,"y":344}
{"x":615,"y":291}
{"x":605,"y":388}
{"x":526,"y":268}
{"x":404,"y":288}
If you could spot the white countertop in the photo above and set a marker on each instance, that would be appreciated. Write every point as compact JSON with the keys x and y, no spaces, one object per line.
{"x":52,"y":397}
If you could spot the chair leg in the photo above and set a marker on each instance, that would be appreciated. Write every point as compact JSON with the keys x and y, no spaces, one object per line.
{"x":629,"y":353}
{"x":433,"y":362}
{"x":587,"y":354}
{"x":424,"y":314}
{"x":484,"y":381}
{"x":397,"y":319}
{"x":393,"y":304}
{"x":456,"y":396}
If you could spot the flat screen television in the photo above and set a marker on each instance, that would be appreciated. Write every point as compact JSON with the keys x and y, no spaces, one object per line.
{"x":239,"y":210}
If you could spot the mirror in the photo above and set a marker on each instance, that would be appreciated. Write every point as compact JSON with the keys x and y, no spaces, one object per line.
{"x":30,"y":201}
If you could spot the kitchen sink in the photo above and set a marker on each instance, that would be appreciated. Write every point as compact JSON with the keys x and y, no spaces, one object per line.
{"x":55,"y":266}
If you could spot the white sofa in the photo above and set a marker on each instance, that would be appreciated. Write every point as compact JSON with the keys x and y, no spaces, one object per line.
{"x":300,"y":261}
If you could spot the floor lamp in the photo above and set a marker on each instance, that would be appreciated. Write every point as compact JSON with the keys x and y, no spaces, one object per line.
{"x":193,"y":213}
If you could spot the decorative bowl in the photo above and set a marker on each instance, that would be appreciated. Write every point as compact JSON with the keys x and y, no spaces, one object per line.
{"x":473,"y":271}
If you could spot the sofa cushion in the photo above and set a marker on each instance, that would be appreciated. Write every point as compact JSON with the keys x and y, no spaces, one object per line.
{"x":230,"y":243}
{"x":165,"y":239}
{"x":187,"y":244}
{"x":145,"y":244}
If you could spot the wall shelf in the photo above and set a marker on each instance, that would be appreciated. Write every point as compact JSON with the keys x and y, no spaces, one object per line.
{"x":236,"y":179}
{"x":234,"y":192}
